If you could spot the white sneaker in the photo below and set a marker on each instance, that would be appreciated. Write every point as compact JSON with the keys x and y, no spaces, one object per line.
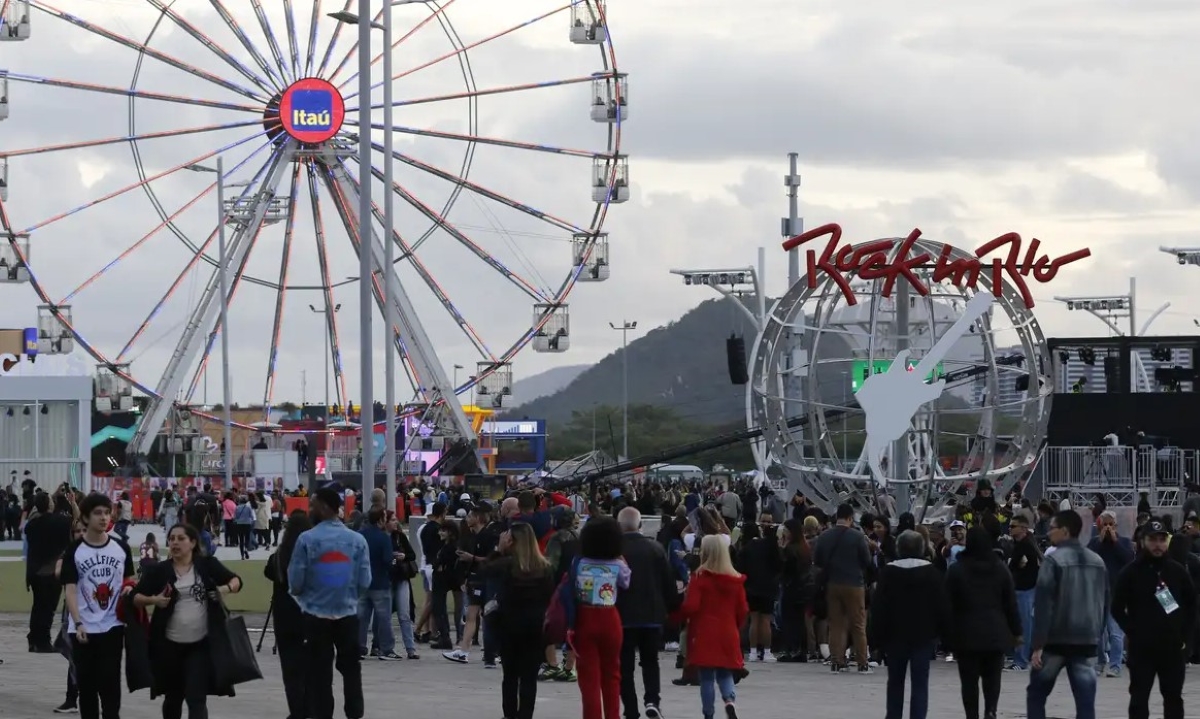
{"x":457,"y":656}
{"x":766,"y":657}
{"x":949,"y":657}
{"x":653,"y":712}
{"x":672,"y":647}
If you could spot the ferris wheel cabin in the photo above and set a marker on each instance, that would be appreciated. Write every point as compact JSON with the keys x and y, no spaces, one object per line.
{"x":3,"y":95}
{"x":114,"y":393}
{"x":13,"y":256}
{"x":14,"y":24}
{"x":614,"y":169}
{"x":495,"y":385}
{"x":587,"y":23}
{"x":53,"y":336}
{"x":555,"y":334}
{"x":610,"y":97}
{"x":591,"y":257}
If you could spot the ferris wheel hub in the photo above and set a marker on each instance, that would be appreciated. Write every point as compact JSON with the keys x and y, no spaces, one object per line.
{"x":310,"y":110}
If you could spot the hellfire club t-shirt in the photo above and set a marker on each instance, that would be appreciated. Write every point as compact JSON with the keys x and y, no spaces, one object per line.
{"x":97,"y":571}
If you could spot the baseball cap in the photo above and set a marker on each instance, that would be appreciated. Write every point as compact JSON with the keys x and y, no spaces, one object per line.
{"x":465,"y":497}
{"x":957,"y":523}
{"x":1156,"y":528}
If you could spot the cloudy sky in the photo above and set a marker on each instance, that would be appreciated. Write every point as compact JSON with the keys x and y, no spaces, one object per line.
{"x":1067,"y":120}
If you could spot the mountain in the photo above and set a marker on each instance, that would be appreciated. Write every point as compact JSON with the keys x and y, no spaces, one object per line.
{"x":681,"y":365}
{"x":545,"y":383}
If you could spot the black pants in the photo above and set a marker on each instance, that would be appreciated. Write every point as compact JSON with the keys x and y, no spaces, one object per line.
{"x":46,"y":591}
{"x":292,"y":665}
{"x":98,"y":673}
{"x":441,"y":614}
{"x":186,"y":675}
{"x":327,"y":639}
{"x":521,"y":656}
{"x":1170,"y":668}
{"x":230,"y":533}
{"x":975,"y":668}
{"x":794,"y":631}
{"x":644,"y":641}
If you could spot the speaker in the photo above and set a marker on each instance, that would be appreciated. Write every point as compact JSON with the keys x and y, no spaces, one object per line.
{"x":735,"y":353}
{"x":1112,"y":374}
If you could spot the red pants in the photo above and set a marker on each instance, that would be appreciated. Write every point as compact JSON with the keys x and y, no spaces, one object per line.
{"x":597,"y":638}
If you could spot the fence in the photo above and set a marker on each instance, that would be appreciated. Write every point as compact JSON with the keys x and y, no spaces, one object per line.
{"x":1119,"y":474}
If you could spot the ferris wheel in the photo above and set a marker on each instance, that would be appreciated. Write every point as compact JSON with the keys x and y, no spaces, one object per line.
{"x":507,"y":159}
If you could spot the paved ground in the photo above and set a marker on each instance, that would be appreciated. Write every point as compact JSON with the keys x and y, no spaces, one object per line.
{"x":32,"y":684}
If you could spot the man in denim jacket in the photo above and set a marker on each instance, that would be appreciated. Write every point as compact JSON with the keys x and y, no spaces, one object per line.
{"x":1071,"y":606}
{"x":329,"y":570}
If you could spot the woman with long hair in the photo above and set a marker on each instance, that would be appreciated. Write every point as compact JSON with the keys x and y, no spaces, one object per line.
{"x":715,"y":608}
{"x":289,"y":620}
{"x":186,"y":595}
{"x":404,"y":568}
{"x":986,"y":623}
{"x":795,"y":579}
{"x":447,"y":579}
{"x":524,"y":583}
{"x":759,"y":560}
{"x":597,"y":577}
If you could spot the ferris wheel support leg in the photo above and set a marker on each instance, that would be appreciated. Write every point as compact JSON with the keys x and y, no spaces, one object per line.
{"x":203,"y":316}
{"x":435,"y":385}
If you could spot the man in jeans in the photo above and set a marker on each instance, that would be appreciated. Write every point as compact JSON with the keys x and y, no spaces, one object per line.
{"x":1070,"y":609}
{"x":843,"y":556}
{"x":1024,"y":564}
{"x":376,"y":603}
{"x":1117,"y":553}
{"x":329,"y":570}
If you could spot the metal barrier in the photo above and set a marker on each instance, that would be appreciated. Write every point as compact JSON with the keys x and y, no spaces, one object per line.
{"x":1119,"y":474}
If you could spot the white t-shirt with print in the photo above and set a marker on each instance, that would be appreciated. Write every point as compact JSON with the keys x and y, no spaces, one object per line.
{"x":97,"y":571}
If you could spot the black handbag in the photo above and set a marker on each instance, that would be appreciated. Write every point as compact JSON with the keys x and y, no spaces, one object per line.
{"x":232,"y":651}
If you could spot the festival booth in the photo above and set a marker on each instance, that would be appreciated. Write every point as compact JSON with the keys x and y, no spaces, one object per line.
{"x":45,"y":418}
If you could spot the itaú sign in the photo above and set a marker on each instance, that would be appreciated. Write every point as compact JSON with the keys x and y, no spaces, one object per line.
{"x":1004,"y":257}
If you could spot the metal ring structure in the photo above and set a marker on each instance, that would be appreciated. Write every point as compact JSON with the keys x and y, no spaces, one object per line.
{"x":823,"y":317}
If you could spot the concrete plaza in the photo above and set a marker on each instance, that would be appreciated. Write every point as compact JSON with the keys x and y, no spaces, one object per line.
{"x":33,"y":684}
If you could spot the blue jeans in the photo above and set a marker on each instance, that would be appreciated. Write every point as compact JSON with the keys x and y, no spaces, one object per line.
{"x":900,"y":658}
{"x":377,"y":604}
{"x":401,"y":596}
{"x":1025,"y":611}
{"x":1112,"y":639}
{"x":1081,"y":674}
{"x":710,"y":681}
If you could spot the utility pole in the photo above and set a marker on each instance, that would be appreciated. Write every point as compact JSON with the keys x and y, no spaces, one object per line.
{"x":227,"y":390}
{"x":624,"y":329}
{"x":366,"y":269}
{"x":791,"y":226}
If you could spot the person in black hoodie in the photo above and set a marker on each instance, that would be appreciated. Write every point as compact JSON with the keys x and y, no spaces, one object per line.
{"x":759,"y":560}
{"x":1154,"y":601}
{"x":1180,"y":551}
{"x":909,"y":614}
{"x":47,"y":536}
{"x":796,"y":581}
{"x":289,"y":620}
{"x":1023,"y":564}
{"x":986,"y":623}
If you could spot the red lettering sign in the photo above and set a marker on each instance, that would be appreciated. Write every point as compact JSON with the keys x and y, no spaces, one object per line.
{"x":869,"y":261}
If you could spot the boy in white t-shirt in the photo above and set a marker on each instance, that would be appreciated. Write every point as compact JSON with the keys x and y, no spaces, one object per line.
{"x":94,"y":570}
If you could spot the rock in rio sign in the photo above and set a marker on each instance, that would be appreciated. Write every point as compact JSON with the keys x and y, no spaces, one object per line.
{"x":871,"y":261}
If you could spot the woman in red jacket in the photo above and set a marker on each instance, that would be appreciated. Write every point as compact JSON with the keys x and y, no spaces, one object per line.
{"x":715,"y":608}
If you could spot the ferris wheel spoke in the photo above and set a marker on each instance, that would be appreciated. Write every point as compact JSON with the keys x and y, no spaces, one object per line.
{"x":236,"y":28}
{"x":423,"y":272}
{"x":216,"y":49}
{"x":490,"y":91}
{"x":520,"y":282}
{"x":440,"y":11}
{"x":310,"y":57}
{"x":483,"y":191}
{"x":293,"y":39}
{"x":281,"y":294}
{"x":142,"y":183}
{"x":331,"y":324}
{"x":337,"y":33}
{"x":149,"y":235}
{"x":495,"y":141}
{"x":124,"y":138}
{"x":191,"y":264}
{"x":149,"y":51}
{"x":269,"y":34}
{"x":466,"y":48}
{"x":139,"y":94}
{"x":349,"y":221}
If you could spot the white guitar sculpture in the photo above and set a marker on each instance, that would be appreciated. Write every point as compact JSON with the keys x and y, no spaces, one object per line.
{"x":890,"y":399}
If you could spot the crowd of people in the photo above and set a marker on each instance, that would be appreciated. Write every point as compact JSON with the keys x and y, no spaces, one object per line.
{"x":567,"y":586}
